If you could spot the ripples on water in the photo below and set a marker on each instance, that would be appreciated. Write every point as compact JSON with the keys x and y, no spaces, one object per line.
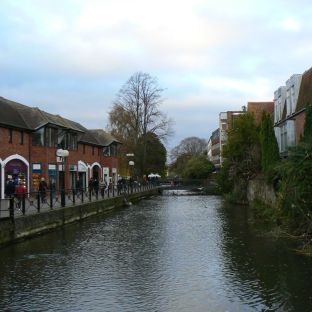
{"x":183,"y":253}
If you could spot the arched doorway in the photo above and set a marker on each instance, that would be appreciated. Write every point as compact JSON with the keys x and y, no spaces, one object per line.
{"x":16,"y":168}
{"x":96,"y":169}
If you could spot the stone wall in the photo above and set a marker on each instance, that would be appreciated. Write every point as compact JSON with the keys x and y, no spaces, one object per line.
{"x":30,"y":225}
{"x":259,"y":190}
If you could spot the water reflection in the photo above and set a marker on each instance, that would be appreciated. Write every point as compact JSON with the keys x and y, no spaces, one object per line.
{"x":188,"y":253}
{"x":266,"y":274}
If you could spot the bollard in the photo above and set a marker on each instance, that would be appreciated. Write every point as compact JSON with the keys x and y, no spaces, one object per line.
{"x":11,"y":209}
{"x":51,"y":199}
{"x":74,"y":197}
{"x":38,"y":202}
{"x":23,"y":205}
{"x":63,"y":203}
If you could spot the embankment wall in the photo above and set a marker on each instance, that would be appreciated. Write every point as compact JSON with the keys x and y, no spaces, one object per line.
{"x":29,"y":225}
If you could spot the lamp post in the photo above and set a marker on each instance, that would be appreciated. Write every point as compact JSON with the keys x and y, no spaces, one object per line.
{"x":131,"y":166}
{"x":131,"y":163}
{"x":62,"y":154}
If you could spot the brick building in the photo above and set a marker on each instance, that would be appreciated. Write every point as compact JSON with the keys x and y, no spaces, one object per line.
{"x":257,"y":109}
{"x":30,"y":137}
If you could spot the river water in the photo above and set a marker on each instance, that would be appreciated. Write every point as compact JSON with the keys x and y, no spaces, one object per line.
{"x":168,"y":253}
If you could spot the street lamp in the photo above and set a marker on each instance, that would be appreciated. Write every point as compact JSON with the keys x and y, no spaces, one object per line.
{"x":131,"y":166}
{"x":62,"y":154}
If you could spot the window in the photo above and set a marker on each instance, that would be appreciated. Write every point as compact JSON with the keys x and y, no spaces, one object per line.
{"x":22,"y":137}
{"x":110,"y":150}
{"x":10,"y":136}
{"x":72,"y":141}
{"x":38,"y":137}
{"x":50,"y":137}
{"x":106,"y":151}
{"x":67,"y":140}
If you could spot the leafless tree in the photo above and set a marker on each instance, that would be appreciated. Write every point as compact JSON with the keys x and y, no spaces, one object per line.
{"x":136,"y":112}
{"x":191,"y":146}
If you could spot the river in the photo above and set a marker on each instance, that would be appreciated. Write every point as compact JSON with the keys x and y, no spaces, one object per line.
{"x":167,"y":253}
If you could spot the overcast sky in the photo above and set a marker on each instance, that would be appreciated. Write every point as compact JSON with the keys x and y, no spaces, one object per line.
{"x":70,"y":57}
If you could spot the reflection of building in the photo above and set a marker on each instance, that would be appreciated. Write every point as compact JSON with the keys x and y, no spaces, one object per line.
{"x":29,"y":138}
{"x":214,"y":148}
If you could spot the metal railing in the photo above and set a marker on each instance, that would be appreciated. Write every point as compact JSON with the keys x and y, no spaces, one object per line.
{"x":36,"y":202}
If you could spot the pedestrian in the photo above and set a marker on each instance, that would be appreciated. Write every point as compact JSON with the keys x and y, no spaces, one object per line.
{"x":96,"y":185}
{"x":9,"y":188}
{"x":90,"y":186}
{"x":102,"y":187}
{"x":43,"y":187}
{"x":20,"y":192}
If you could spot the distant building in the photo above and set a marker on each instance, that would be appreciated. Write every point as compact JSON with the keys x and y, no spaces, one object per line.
{"x":226,"y":122}
{"x":257,"y":109}
{"x":213,"y":149}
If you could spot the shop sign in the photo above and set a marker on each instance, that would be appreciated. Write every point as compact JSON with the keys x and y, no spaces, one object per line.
{"x":36,"y":168}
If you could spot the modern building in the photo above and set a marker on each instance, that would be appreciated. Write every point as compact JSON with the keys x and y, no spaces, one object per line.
{"x":285,"y":111}
{"x":213,"y":148}
{"x":30,"y":139}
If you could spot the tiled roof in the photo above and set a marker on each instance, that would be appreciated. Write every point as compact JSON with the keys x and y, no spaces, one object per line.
{"x":103,"y":137}
{"x":305,"y":92}
{"x":9,"y":115}
{"x":20,"y":116}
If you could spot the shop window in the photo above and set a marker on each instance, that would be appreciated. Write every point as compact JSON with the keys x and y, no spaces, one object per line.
{"x":10,"y":136}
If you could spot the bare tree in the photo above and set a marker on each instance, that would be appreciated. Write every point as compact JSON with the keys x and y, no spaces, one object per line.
{"x":191,"y":146}
{"x":136,"y":113}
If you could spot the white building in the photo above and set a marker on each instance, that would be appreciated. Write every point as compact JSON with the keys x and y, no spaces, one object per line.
{"x":285,"y":102}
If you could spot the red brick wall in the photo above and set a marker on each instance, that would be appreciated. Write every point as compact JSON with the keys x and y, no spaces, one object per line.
{"x":299,"y":126}
{"x":7,"y":149}
{"x":47,"y":155}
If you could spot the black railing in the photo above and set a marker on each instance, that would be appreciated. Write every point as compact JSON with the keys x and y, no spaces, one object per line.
{"x":36,"y":202}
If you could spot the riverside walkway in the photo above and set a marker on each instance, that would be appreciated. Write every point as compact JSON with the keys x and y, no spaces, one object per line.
{"x":33,"y":202}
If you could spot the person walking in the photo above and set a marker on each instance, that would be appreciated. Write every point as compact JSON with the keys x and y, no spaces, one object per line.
{"x":43,"y":187}
{"x":102,"y":187}
{"x":9,"y":188}
{"x":20,"y":192}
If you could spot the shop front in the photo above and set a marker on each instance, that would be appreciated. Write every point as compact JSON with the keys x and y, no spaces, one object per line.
{"x":82,"y":174}
{"x":106,"y":174}
{"x":72,"y":176}
{"x":96,"y":172}
{"x":16,"y":169}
